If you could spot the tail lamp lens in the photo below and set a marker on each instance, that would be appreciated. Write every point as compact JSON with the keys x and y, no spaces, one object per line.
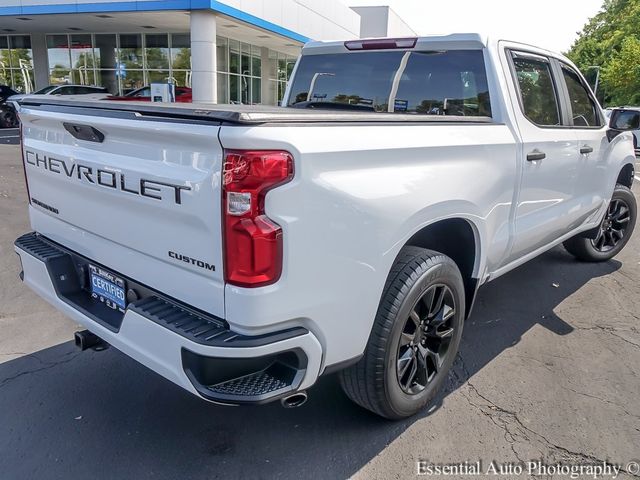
{"x":252,"y":241}
{"x":24,"y":164}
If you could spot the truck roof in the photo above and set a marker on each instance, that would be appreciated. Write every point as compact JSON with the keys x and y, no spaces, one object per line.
{"x":452,"y":41}
{"x":455,"y":41}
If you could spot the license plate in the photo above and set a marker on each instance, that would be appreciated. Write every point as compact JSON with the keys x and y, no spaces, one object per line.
{"x":107,"y":288}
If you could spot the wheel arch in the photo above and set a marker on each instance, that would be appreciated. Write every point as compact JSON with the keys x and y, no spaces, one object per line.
{"x":625,"y":177}
{"x":459,"y":239}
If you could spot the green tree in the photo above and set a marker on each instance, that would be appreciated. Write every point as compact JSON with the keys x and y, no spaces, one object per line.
{"x":610,"y":40}
{"x":622,"y":74}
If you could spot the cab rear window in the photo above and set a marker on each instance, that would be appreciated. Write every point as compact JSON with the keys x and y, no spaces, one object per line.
{"x":450,"y":82}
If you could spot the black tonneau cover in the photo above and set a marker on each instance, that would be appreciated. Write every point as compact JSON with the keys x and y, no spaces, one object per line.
{"x":235,"y":114}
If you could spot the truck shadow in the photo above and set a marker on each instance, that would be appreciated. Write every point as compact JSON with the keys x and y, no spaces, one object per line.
{"x":67,"y":414}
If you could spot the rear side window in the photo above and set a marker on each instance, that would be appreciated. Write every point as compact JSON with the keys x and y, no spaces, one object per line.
{"x":450,"y":82}
{"x":444,"y":83}
{"x":584,"y":110}
{"x":537,"y":91}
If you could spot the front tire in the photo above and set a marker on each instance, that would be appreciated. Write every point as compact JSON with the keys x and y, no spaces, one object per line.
{"x":613,"y":233}
{"x":415,"y":336}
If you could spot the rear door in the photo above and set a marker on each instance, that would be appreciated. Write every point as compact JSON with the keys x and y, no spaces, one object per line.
{"x":137,"y":194}
{"x":547,"y":206}
{"x":589,"y":127}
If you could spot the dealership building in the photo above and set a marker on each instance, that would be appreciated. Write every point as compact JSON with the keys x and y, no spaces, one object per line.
{"x":230,"y":51}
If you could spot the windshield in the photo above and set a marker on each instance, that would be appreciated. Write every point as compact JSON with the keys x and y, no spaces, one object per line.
{"x":450,"y":82}
{"x":45,"y":90}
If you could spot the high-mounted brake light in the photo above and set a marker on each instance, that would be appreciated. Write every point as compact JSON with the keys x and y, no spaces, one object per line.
{"x":380,"y":44}
{"x":252,"y":241}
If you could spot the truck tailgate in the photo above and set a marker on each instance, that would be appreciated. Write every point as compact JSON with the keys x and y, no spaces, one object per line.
{"x":138,"y":195}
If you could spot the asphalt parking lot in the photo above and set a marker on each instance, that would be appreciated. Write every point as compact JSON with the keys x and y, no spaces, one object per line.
{"x":9,"y":136}
{"x":549,"y":370}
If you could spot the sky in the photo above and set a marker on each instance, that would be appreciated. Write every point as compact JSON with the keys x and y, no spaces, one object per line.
{"x":551,"y":24}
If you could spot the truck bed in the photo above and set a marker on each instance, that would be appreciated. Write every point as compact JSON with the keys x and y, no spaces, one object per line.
{"x":236,"y":114}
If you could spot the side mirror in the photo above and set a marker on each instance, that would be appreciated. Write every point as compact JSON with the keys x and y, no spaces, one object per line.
{"x":625,"y":120}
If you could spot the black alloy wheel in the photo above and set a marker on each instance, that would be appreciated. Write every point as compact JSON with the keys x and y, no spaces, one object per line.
{"x":425,"y":339}
{"x":610,"y":237}
{"x":613,"y":226}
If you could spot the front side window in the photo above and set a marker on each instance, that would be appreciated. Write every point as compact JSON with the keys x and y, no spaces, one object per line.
{"x":537,"y":91}
{"x":584,"y":110}
{"x":450,"y":82}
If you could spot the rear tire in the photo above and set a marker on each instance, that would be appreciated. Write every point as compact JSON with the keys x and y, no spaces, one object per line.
{"x":612,"y":234}
{"x":415,"y":336}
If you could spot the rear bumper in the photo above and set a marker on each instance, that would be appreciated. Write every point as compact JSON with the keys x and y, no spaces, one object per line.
{"x":188,"y":347}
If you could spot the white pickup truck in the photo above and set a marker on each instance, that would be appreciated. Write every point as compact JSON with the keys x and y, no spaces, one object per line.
{"x":244,"y":251}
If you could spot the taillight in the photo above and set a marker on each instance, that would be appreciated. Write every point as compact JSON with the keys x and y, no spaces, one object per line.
{"x":252,"y":241}
{"x":24,"y":165}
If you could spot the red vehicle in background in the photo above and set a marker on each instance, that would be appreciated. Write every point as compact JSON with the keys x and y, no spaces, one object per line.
{"x":143,"y":94}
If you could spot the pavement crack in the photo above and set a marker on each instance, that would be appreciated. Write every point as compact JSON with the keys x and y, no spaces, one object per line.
{"x":46,"y":366}
{"x":516,"y":430}
{"x":603,"y":400}
{"x":612,"y":331}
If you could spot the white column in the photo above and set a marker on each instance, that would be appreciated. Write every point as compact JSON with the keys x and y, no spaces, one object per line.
{"x":266,"y":66}
{"x":203,"y":56}
{"x":40,"y":60}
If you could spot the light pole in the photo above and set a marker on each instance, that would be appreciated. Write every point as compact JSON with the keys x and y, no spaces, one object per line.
{"x":313,"y":82}
{"x":597,"y":84}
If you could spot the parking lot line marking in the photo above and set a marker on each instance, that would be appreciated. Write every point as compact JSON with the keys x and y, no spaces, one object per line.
{"x":636,"y":177}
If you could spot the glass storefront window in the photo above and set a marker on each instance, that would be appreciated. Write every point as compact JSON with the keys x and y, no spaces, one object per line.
{"x":160,"y":76}
{"x":157,"y":51}
{"x":16,"y":62}
{"x":282,"y":68}
{"x":58,"y":52}
{"x":245,"y":59}
{"x":221,"y":54}
{"x":180,"y":52}
{"x":106,"y":54}
{"x":182,"y":78}
{"x":223,"y":88}
{"x":131,"y":51}
{"x":82,"y":61}
{"x":256,"y":61}
{"x":5,"y":67}
{"x":234,"y":56}
{"x":291,"y":62}
{"x":131,"y":80}
{"x":20,"y":46}
{"x":81,"y":48}
{"x":123,"y":62}
{"x":255,"y":90}
{"x":245,"y":89}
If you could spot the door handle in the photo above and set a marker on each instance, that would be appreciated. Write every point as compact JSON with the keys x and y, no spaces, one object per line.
{"x":586,"y":149}
{"x":536,"y":155}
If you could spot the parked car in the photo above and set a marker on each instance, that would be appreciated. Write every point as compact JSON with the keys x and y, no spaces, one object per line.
{"x":8,"y":117}
{"x":244,"y":251}
{"x":143,"y":94}
{"x":85,"y":91}
{"x":629,"y":118}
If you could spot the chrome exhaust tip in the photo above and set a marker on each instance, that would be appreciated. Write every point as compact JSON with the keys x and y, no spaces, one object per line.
{"x":293,"y":401}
